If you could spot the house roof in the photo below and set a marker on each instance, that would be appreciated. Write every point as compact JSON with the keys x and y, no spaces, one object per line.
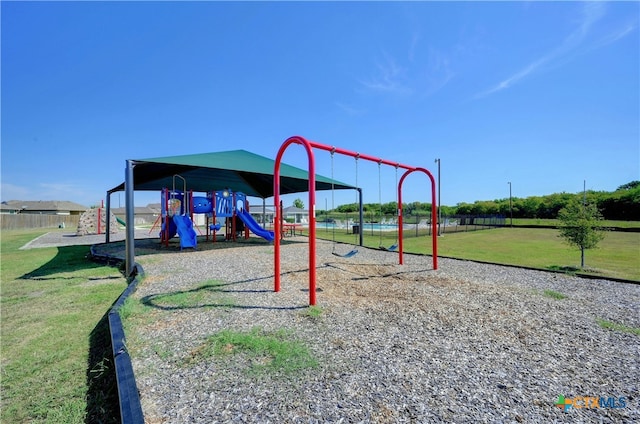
{"x":238,"y":170}
{"x":258,"y":209}
{"x":138,"y":210}
{"x":293,"y":209}
{"x":43,"y":205}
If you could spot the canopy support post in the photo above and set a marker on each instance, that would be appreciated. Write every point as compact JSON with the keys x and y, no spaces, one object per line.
{"x":107,"y":214}
{"x":130,"y":228}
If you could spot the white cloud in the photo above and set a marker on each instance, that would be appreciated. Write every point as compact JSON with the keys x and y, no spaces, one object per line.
{"x":615,"y":36}
{"x":590,"y":14}
{"x":389,"y":77}
{"x":515,"y":78}
{"x":438,"y":72}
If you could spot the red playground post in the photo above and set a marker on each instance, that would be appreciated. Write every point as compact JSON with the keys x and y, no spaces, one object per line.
{"x":309,"y":146}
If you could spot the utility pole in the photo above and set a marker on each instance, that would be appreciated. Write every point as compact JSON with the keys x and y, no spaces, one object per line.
{"x":584,"y":207}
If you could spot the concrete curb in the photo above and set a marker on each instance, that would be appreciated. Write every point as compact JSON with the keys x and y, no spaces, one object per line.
{"x":128,"y":396}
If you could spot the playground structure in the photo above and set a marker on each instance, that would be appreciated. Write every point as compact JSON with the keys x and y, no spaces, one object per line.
{"x":179,"y":206}
{"x":309,"y":146}
{"x":258,"y":176}
{"x":94,"y":221}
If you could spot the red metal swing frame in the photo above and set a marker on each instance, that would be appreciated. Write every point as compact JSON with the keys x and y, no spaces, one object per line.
{"x":309,"y":146}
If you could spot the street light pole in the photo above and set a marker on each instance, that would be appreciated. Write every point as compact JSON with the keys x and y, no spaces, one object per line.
{"x":510,"y":205}
{"x":439,"y":210}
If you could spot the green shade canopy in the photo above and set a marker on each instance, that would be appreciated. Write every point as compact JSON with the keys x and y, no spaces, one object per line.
{"x":238,"y":170}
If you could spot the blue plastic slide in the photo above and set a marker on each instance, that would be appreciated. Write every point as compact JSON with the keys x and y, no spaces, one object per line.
{"x":172,"y":230}
{"x":253,"y":225}
{"x":188,"y":236}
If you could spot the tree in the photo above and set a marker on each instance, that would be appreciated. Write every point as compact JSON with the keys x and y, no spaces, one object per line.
{"x":623,"y":204}
{"x":390,"y":208}
{"x":298,"y":203}
{"x":349,"y":207}
{"x":629,"y":186}
{"x":580,"y":225}
{"x":530,"y":206}
{"x":463,"y":208}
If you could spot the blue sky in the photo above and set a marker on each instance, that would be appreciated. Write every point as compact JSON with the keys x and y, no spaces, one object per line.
{"x":543,"y":95}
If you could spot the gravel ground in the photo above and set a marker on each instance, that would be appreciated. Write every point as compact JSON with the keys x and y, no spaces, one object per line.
{"x":393,"y":343}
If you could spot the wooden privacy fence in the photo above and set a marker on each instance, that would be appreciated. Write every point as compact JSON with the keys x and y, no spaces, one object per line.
{"x":27,"y":220}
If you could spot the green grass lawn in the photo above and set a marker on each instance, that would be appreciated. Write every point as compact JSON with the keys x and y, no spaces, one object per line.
{"x":546,"y":222}
{"x":618,"y":255}
{"x":55,"y":339}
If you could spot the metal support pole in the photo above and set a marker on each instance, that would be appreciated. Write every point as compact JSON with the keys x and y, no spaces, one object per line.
{"x":108,"y":214}
{"x":130,"y":233}
{"x":312,"y":215}
{"x":264,"y":212}
{"x":434,"y":238}
{"x":439,"y":205}
{"x":361,"y":217}
{"x":510,"y":206}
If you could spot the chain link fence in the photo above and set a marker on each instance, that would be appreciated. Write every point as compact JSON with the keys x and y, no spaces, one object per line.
{"x":414,"y":224}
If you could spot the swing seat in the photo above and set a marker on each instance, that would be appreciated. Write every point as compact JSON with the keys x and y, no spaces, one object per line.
{"x":346,"y":255}
{"x":390,"y":248}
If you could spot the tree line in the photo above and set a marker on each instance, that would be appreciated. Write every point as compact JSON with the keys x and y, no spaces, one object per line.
{"x":622,"y":204}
